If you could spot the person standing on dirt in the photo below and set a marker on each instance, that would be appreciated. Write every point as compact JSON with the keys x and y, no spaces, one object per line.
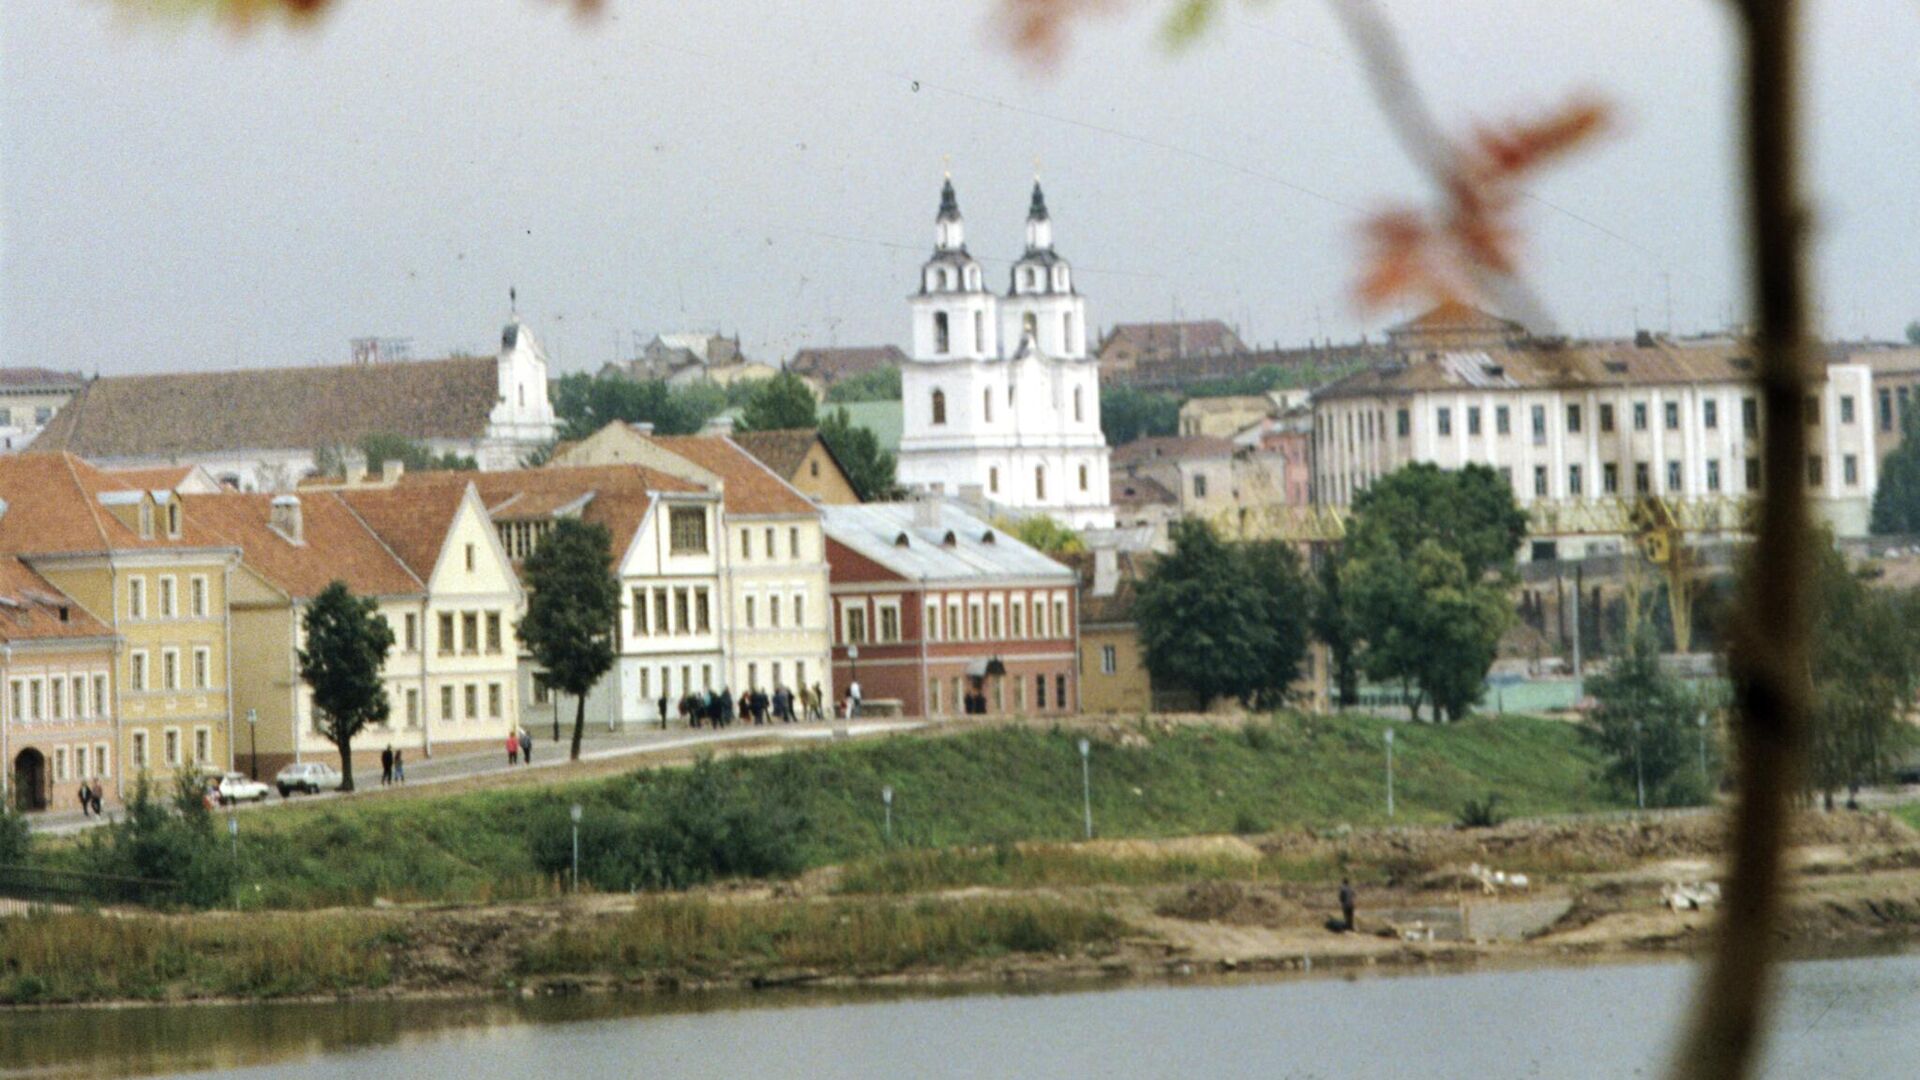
{"x":1346,"y":905}
{"x":386,"y":766}
{"x":526,"y":747}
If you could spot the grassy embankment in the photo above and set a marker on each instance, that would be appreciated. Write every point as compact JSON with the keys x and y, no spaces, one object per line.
{"x":996,"y":786}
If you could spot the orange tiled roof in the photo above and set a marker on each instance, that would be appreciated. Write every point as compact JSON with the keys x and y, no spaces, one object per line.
{"x":750,"y":486}
{"x":335,"y":545}
{"x":617,"y":495}
{"x":413,"y":520}
{"x":53,"y":507}
{"x":31,"y":609}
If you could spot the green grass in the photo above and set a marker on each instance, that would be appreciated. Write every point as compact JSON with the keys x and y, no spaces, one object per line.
{"x":978,"y":788}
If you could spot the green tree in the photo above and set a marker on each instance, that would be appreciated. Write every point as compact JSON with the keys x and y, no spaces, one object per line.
{"x":1043,"y":533}
{"x":1913,"y":332}
{"x":1222,"y":620}
{"x":880,"y":384}
{"x":347,"y":643}
{"x":1127,"y":414}
{"x":1333,"y":625}
{"x":1469,"y":512}
{"x":573,"y":604}
{"x":381,"y":447}
{"x":782,"y":403}
{"x":869,"y":468}
{"x":1645,"y":723}
{"x":1866,"y":673}
{"x":586,"y":403}
{"x":1896,"y":505}
{"x":16,"y":837}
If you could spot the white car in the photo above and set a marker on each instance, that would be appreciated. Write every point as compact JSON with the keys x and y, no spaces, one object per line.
{"x":239,"y":787}
{"x":312,"y":777}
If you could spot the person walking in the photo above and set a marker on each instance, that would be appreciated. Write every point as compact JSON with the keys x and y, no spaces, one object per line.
{"x":819,"y":703}
{"x":853,"y":700}
{"x":663,"y":710}
{"x":513,"y":749}
{"x":526,"y":747}
{"x":98,"y":793}
{"x":399,"y":766}
{"x":1346,"y":905}
{"x":86,"y":800}
{"x":386,"y":766}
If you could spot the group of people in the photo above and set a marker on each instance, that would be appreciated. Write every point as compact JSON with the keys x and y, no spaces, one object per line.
{"x":718,"y":709}
{"x":393,"y":767}
{"x":519,"y":747}
{"x":90,"y":795}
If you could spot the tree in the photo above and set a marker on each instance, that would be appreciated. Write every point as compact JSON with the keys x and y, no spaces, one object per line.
{"x":1913,"y":332}
{"x":1866,"y":672}
{"x":1428,"y":556}
{"x":1896,"y":505}
{"x":1043,"y":533}
{"x":1220,"y":620}
{"x":586,"y":403}
{"x":347,"y":643}
{"x":869,"y":469}
{"x":880,"y":384}
{"x":1127,"y":414}
{"x":1333,"y":625}
{"x":573,"y":604}
{"x":782,"y":403}
{"x":381,"y":447}
{"x":1645,"y":725}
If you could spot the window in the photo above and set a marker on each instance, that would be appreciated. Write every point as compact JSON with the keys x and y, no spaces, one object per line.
{"x":979,"y":319}
{"x":411,"y":625}
{"x":1713,"y":474}
{"x":1502,"y":420}
{"x":1573,"y":480}
{"x":973,"y":621}
{"x":1013,"y":617}
{"x":60,"y":763}
{"x":494,"y":697}
{"x":889,"y":623}
{"x":469,"y":632}
{"x":748,"y":607}
{"x":136,"y":598}
{"x":1606,"y":416}
{"x":770,"y":552}
{"x":1850,"y":470}
{"x":773,"y":611}
{"x":1403,"y":422}
{"x":1443,"y":420}
{"x":1199,"y":486}
{"x":986,"y":405}
{"x":446,"y":703}
{"x":472,"y":696}
{"x":793,"y":542}
{"x":447,"y":645}
{"x":1846,"y":408}
{"x":687,"y":530}
{"x":413,"y":707}
{"x":701,"y":624}
{"x":1816,"y":469}
{"x":1886,"y":409}
{"x":1040,"y":482}
{"x":81,"y":706}
{"x":953,"y":621}
{"x":799,"y":610}
{"x":1083,"y":478}
{"x":1059,"y":618}
{"x":1639,"y":416}
{"x":993,"y":620}
{"x":202,"y":745}
{"x":1039,"y":691}
{"x":993,"y":478}
{"x":941,"y":338}
{"x":1710,"y":413}
{"x":931,"y":631}
{"x":1039,"y":618}
{"x":56,"y":699}
{"x":1573,"y":419}
{"x":1673,"y":415}
{"x":1642,"y":478}
{"x":1673,"y":476}
{"x":746,"y":544}
{"x":172,"y":747}
{"x":1473,"y":419}
{"x":140,"y":757}
{"x":493,"y":632}
{"x":17,"y":691}
{"x":939,"y":406}
{"x":1749,"y":415}
{"x":169,"y":669}
{"x":1109,"y":660}
{"x":173,"y":519}
{"x":1060,"y":690}
{"x":1540,"y":481}
{"x":638,"y":620}
{"x":660,"y":612}
{"x":1753,"y":474}
{"x":167,"y":588}
{"x":470,"y":558}
{"x":100,"y":695}
{"x":202,"y":668}
{"x":102,"y":760}
{"x":1079,"y":407}
{"x":1539,"y":414}
{"x":146,"y":520}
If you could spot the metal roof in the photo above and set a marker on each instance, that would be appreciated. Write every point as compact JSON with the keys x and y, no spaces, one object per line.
{"x":955,"y":546}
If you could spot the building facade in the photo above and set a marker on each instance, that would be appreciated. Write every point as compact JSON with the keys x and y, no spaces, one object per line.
{"x":57,"y":727}
{"x":29,"y":399}
{"x":1000,"y":396}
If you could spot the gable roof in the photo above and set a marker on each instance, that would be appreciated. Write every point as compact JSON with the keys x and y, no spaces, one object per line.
{"x":274,"y":408}
{"x":1175,"y":338}
{"x":52,"y":505}
{"x":748,"y":486}
{"x":32,"y":609}
{"x":1454,"y":315}
{"x":832,"y":364}
{"x":39,"y":378}
{"x":786,"y":451}
{"x":335,"y":544}
{"x":876,"y":531}
{"x":616,"y":496}
{"x":412,"y":521}
{"x":1136,"y":491}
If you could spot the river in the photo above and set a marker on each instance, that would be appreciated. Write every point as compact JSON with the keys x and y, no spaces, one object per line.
{"x":1839,"y":1018}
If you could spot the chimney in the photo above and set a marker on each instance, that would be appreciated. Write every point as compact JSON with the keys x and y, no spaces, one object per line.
{"x":1106,"y":571}
{"x":642,"y":427}
{"x":356,"y":474}
{"x":926,"y":513}
{"x":1643,"y":339}
{"x":391,"y":470}
{"x":284,"y":518}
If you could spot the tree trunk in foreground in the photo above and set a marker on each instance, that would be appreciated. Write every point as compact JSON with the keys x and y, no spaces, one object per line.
{"x":579,"y":722}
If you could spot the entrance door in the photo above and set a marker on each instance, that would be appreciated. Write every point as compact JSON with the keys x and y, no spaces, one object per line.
{"x":30,"y":780}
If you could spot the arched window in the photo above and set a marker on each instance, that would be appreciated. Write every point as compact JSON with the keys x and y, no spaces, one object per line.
{"x":940,"y":337}
{"x":1040,"y":482}
{"x":979,"y":332}
{"x":1030,"y":324}
{"x":1083,"y":478}
{"x":973,"y":277}
{"x":946,"y":279}
{"x":1066,"y":332}
{"x":986,"y":402}
{"x":1079,"y":410}
{"x":939,"y":406}
{"x":993,"y":479}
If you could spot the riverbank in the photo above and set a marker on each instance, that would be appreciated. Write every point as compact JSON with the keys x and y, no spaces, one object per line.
{"x":1019,"y":915}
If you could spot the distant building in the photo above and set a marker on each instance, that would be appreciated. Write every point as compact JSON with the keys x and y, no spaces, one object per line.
{"x":826,"y":366}
{"x":29,"y":399}
{"x":1001,"y":400}
{"x":1896,"y":393}
{"x":1128,"y":345}
{"x":685,"y":359}
{"x":260,"y":429}
{"x":1454,"y":325}
{"x":803,"y":459}
{"x":943,"y":607}
{"x":1223,"y":417}
{"x":1113,"y":666}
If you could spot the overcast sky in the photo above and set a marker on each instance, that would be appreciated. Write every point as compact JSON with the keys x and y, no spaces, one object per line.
{"x":176,"y":197}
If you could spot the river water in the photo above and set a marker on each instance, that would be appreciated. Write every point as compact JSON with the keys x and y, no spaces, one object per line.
{"x":1839,"y":1018}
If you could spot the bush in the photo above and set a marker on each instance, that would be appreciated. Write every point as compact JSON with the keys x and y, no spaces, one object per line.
{"x":177,"y":844}
{"x":16,"y":838}
{"x":1480,"y":814}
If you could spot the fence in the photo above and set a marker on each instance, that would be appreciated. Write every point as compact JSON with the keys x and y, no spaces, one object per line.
{"x":46,"y":885}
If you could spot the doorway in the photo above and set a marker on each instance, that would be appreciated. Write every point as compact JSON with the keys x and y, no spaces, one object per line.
{"x":30,"y":780}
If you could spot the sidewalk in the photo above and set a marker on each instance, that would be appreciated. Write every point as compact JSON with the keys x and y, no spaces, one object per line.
{"x":600,"y":745}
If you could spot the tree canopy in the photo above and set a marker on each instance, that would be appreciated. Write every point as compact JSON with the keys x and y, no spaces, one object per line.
{"x":869,"y":469}
{"x":586,"y":403}
{"x":1224,"y":620}
{"x":1646,"y":726}
{"x":1127,"y":414}
{"x":1866,"y":673}
{"x":880,"y":384}
{"x":1896,"y":504}
{"x":782,"y":403}
{"x":347,"y":642}
{"x":572,"y":606}
{"x":1043,"y":533}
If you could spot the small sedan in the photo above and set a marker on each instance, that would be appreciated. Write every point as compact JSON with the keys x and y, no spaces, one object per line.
{"x":312,"y":777}
{"x":239,"y":787}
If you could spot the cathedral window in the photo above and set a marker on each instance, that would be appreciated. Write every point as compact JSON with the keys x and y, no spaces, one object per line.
{"x":1066,"y":332}
{"x":993,"y":479}
{"x":1040,"y":482}
{"x":1079,"y":410}
{"x":986,"y":402}
{"x":940,"y":337}
{"x":939,"y":406}
{"x":1083,"y":478}
{"x":980,"y":333}
{"x":1030,"y":326}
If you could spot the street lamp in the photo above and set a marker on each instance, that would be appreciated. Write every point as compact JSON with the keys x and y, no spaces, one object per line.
{"x":886,"y":797}
{"x":1639,"y":778}
{"x":1086,"y":785}
{"x":574,"y":812}
{"x":853,"y":680}
{"x":1702,"y":721}
{"x":253,"y":740}
{"x":1389,"y":735}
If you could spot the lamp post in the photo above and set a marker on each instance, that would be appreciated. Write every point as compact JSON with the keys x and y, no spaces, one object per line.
{"x":1639,"y":778}
{"x":253,"y":742}
{"x":886,"y":798}
{"x":1701,"y":720}
{"x":1389,"y":735}
{"x":1086,"y":785}
{"x":853,"y":679}
{"x":574,"y":812}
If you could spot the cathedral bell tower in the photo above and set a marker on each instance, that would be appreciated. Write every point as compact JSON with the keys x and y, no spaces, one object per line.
{"x":953,"y":313}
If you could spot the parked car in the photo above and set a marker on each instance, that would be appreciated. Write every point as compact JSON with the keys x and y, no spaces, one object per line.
{"x":239,"y":787}
{"x":312,"y":777}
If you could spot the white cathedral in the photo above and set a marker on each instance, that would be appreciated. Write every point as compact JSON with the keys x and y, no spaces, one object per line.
{"x":1000,"y":395}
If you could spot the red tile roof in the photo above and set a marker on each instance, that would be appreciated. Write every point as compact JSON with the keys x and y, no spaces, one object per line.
{"x":31,"y":609}
{"x":412,"y":520}
{"x":336,"y":544}
{"x":617,"y":495}
{"x":53,"y":506}
{"x":750,"y":487}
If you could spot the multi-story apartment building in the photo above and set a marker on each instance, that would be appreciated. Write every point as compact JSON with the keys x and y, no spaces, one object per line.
{"x":1573,"y":426}
{"x":137,"y":561}
{"x":1896,"y":393}
{"x":944,"y":608}
{"x":56,"y":695}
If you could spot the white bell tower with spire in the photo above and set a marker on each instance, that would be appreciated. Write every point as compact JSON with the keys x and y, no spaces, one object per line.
{"x":999,"y":394}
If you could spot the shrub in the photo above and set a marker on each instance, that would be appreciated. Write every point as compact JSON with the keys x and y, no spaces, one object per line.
{"x":176,"y":844}
{"x":1481,"y":813}
{"x":16,"y":838}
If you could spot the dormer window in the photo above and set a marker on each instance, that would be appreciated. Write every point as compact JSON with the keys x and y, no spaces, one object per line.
{"x":173,"y":519}
{"x":146,"y":520}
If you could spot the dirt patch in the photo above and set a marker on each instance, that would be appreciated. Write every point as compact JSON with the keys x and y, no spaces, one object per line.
{"x":1184,"y":847}
{"x":1229,"y":902}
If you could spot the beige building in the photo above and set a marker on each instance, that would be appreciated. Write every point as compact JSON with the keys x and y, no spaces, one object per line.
{"x":57,"y":727}
{"x":1896,"y":393}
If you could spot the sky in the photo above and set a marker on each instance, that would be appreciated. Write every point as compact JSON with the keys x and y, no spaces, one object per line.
{"x":177,"y":197}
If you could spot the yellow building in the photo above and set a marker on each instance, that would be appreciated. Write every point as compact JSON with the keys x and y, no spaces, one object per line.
{"x":135,"y":559}
{"x":1113,"y":668}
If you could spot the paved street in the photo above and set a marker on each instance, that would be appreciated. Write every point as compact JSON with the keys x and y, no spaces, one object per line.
{"x":597,"y":745}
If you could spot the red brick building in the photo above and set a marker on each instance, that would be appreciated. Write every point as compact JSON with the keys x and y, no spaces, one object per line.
{"x":947,"y":611}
